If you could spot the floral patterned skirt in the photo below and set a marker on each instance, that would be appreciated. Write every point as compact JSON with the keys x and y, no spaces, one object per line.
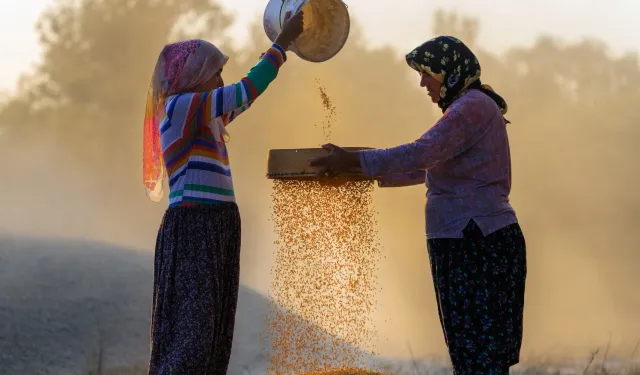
{"x":479,"y":283}
{"x":195,"y":290}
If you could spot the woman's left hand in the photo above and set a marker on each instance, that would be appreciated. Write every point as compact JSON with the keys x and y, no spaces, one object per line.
{"x":338,"y":161}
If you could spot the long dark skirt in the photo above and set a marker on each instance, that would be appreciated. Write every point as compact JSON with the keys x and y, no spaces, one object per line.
{"x":195,"y":290}
{"x":479,"y":283}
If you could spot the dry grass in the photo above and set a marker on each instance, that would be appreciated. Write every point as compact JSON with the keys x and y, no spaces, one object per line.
{"x":598,"y":363}
{"x":594,"y":366}
{"x":421,"y":370}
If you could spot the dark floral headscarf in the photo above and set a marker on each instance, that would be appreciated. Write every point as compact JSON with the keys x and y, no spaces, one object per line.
{"x":452,"y":63}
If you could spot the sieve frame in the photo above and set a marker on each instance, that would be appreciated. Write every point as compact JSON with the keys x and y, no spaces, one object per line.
{"x":293,"y":164}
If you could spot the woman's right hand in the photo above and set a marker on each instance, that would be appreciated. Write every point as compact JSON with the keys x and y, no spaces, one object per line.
{"x":336,"y":162}
{"x":291,"y":29}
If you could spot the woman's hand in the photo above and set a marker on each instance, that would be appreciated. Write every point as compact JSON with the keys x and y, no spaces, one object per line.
{"x":338,"y":161}
{"x":291,"y":29}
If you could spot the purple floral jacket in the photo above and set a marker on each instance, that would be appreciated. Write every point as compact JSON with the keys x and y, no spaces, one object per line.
{"x":465,"y":162}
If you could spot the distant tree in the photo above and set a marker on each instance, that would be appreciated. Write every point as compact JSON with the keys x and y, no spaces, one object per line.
{"x":462,"y":27}
{"x":96,"y":67}
{"x":87,"y":97}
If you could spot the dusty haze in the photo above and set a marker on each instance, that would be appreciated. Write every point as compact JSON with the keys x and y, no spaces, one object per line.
{"x":71,"y":145}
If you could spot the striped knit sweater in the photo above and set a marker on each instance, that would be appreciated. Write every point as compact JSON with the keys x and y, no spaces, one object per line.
{"x":191,"y":134}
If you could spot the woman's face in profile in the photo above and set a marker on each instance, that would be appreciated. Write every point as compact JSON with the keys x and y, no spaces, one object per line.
{"x":432,"y":85}
{"x":215,"y":82}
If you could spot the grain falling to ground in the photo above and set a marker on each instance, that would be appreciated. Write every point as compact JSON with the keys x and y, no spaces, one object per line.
{"x":330,"y":111}
{"x":325,"y":277}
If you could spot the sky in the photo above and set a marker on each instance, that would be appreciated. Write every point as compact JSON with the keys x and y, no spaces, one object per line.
{"x":504,"y":23}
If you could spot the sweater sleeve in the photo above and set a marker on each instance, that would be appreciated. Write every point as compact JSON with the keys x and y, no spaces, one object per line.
{"x":230,"y":101}
{"x":188,"y":113}
{"x":462,"y":126}
{"x":403,"y":179}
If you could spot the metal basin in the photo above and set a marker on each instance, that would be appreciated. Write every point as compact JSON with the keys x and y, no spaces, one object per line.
{"x":326,"y":26}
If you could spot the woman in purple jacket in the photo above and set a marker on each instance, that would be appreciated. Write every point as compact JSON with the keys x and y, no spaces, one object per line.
{"x":476,"y":248}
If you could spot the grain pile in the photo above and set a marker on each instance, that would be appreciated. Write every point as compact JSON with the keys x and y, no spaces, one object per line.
{"x":325,"y":277}
{"x":345,"y":372}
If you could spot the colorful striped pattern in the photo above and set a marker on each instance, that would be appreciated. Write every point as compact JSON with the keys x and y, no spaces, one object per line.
{"x":194,"y":152}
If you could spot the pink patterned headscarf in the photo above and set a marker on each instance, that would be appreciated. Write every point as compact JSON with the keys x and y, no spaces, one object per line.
{"x":181,"y":67}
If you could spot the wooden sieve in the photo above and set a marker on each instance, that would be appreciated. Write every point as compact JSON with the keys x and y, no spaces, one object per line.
{"x":293,"y":164}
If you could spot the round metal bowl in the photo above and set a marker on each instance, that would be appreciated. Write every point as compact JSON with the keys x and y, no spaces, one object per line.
{"x":326,"y":26}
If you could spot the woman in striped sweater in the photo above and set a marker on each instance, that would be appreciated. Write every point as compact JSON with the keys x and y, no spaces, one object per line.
{"x":197,"y":257}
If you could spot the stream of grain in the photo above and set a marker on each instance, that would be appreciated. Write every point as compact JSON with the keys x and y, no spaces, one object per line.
{"x":324,"y":284}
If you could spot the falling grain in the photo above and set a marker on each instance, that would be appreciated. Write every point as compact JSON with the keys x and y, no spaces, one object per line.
{"x":324,"y":282}
{"x":330,"y":111}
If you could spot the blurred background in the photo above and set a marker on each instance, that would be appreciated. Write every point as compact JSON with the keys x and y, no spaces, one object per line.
{"x":77,"y":232}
